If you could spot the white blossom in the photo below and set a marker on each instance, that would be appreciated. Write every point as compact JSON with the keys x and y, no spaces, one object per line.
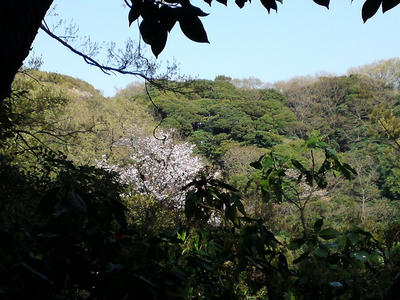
{"x":158,"y":167}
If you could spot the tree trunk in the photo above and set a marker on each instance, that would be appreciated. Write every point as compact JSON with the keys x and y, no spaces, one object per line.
{"x":19,"y":24}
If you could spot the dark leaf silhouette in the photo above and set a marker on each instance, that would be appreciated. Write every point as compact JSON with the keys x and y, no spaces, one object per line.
{"x":224,"y":2}
{"x":149,"y":10}
{"x":154,"y":34}
{"x":196,"y":11}
{"x":240,"y":3}
{"x":148,"y":29}
{"x":269,"y":4}
{"x":322,"y":2}
{"x":158,"y":44}
{"x":318,"y":225}
{"x":192,"y":27}
{"x":208,"y":2}
{"x":370,"y":8}
{"x":134,"y":13}
{"x":389,"y":4}
{"x":169,"y":16}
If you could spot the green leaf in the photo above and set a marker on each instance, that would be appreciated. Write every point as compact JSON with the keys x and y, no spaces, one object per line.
{"x":309,"y":178}
{"x":191,"y":205}
{"x":335,"y":284}
{"x":256,"y":165}
{"x":268,"y":162}
{"x":298,"y":166}
{"x":342,"y":239}
{"x":76,"y":201}
{"x":301,"y":257}
{"x":318,"y":224}
{"x":265,"y":195}
{"x":350,"y":168}
{"x":353,"y":237}
{"x":240,"y":207}
{"x":296,"y":244}
{"x":328,"y":233}
{"x":221,"y":184}
{"x":321,"y":181}
{"x":312,"y":142}
{"x":33,"y":272}
{"x":321,"y":252}
{"x":182,"y":236}
{"x":361,"y":256}
{"x":283,"y":265}
{"x":265,"y":185}
{"x":330,"y":245}
{"x":277,"y":189}
{"x":231,"y":214}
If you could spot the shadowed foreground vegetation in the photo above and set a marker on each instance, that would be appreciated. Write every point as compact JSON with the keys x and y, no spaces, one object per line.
{"x":288,"y":192}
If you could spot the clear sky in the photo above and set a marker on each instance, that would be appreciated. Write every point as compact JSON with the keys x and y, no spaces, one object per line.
{"x":301,"y":39}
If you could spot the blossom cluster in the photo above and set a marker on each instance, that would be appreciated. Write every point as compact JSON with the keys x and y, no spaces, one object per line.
{"x":158,"y":167}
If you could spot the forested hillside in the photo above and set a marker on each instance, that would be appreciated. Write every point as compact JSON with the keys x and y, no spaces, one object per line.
{"x":207,"y":190}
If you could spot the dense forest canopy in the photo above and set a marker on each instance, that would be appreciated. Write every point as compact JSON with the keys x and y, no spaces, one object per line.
{"x":225,"y":189}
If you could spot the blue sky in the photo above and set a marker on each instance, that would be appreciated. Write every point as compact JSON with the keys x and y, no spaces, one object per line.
{"x":301,"y":39}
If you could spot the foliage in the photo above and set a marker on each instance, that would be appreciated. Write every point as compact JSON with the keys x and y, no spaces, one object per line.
{"x":385,"y":70}
{"x":218,"y":115}
{"x":338,"y":107}
{"x":289,"y":228}
{"x":158,"y":19}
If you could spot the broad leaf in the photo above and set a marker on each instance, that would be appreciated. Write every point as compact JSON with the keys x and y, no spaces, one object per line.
{"x":328,"y":233}
{"x":389,"y":4}
{"x":370,"y":8}
{"x":192,"y":27}
{"x":76,"y":201}
{"x":240,"y":3}
{"x":269,"y":4}
{"x":134,"y":13}
{"x":298,"y":166}
{"x":318,"y":225}
{"x":361,"y":256}
{"x":322,"y":253}
{"x":154,"y":34}
{"x":168,"y":16}
{"x":221,"y":184}
{"x":268,"y":162}
{"x":353,"y":237}
{"x":196,"y":11}
{"x":322,"y":2}
{"x":256,"y":165}
{"x":296,"y":244}
{"x":301,"y":257}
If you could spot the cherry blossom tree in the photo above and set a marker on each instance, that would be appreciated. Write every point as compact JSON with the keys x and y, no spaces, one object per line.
{"x":157,"y":167}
